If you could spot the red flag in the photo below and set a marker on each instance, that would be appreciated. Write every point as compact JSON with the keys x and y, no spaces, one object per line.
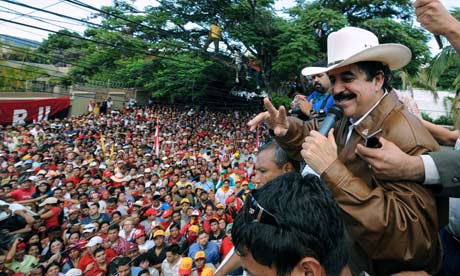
{"x":157,"y":138}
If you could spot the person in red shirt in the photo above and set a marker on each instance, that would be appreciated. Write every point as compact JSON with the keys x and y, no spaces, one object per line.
{"x":25,"y":192}
{"x":50,"y":212}
{"x":227,"y":243}
{"x":88,"y":257}
{"x":99,"y":265}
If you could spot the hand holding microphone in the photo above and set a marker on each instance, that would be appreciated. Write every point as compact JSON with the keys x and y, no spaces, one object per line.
{"x":319,"y":149}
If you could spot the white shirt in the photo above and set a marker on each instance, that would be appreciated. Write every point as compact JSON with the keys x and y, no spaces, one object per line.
{"x":169,"y":270}
{"x":357,"y":122}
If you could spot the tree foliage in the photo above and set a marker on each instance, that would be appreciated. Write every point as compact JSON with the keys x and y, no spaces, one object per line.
{"x":160,"y":49}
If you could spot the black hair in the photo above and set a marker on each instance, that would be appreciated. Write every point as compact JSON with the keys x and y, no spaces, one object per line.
{"x":175,"y":225}
{"x":114,"y":226}
{"x":280,"y":157}
{"x":373,"y":68}
{"x":123,"y":261}
{"x":141,"y":258}
{"x":309,"y":225}
{"x":99,"y":249}
{"x":173,"y":248}
{"x":144,"y":271}
{"x":320,"y":63}
{"x":95,"y":204}
{"x":51,"y":265}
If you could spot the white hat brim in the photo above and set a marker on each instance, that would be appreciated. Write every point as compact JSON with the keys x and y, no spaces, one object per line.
{"x":395,"y":56}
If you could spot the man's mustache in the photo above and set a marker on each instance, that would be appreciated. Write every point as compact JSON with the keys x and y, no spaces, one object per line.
{"x":344,"y":96}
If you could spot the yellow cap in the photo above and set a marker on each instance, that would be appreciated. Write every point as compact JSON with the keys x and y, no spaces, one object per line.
{"x":200,"y":255}
{"x":207,"y":271}
{"x":158,"y":233}
{"x":185,"y":266}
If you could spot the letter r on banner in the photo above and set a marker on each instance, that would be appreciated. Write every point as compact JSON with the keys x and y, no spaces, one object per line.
{"x":19,"y":116}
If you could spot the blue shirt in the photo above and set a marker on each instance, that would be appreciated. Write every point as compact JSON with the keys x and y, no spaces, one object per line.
{"x":211,"y":251}
{"x":206,"y":185}
{"x":319,"y":98}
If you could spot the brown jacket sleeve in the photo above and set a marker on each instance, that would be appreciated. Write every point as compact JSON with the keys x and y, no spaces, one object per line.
{"x":295,"y":136}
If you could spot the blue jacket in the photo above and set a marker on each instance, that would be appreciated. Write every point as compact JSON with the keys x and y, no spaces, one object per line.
{"x":319,"y":98}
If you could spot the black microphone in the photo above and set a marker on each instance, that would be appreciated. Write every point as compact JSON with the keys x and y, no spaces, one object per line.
{"x":334,"y":113}
{"x":439,"y":41}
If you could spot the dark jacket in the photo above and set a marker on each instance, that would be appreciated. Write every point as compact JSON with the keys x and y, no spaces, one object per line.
{"x":393,"y":225}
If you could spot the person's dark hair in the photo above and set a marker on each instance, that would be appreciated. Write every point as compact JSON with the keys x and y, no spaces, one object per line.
{"x":122,"y":261}
{"x":116,"y":213}
{"x":310,"y":225}
{"x":141,"y":258}
{"x":280,"y":157}
{"x":175,"y":225}
{"x":99,"y":249}
{"x":320,"y":63}
{"x":51,"y":265}
{"x":96,"y":204}
{"x":144,"y":271}
{"x":39,"y":266}
{"x":37,"y":244}
{"x":114,"y":226}
{"x":174,"y":249}
{"x":373,"y":68}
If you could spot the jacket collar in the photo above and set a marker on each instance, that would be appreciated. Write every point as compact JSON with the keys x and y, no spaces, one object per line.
{"x":375,"y":119}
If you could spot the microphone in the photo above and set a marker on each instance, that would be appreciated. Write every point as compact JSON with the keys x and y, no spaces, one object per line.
{"x":334,"y":113}
{"x":439,"y":41}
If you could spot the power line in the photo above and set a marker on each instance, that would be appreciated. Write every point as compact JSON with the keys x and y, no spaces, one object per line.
{"x":91,"y":40}
{"x":94,"y":41}
{"x":53,"y":13}
{"x":101,"y":26}
{"x":39,"y":18}
{"x":48,"y":6}
{"x":47,"y":69}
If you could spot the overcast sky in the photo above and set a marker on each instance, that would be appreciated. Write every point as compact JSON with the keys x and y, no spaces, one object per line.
{"x":62,"y":7}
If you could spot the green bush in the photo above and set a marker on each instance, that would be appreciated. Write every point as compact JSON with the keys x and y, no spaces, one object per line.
{"x":427,"y":117}
{"x":279,"y":100}
{"x":444,"y":120}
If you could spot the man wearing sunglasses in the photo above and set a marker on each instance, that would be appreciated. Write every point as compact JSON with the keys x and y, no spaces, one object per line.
{"x":273,"y":239}
{"x":272,"y":161}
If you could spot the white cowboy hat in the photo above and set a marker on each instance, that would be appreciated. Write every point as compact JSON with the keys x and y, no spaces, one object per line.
{"x":351,"y":45}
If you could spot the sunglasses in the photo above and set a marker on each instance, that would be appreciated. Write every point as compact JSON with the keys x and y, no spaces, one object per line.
{"x":259,"y":213}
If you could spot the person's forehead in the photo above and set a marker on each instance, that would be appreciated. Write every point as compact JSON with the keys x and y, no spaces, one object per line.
{"x":265,"y":159}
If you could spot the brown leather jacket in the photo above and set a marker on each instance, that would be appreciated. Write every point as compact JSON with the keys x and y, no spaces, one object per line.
{"x":393,"y":225}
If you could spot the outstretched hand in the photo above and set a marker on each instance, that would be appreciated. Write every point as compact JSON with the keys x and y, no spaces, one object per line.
{"x":275,"y":119}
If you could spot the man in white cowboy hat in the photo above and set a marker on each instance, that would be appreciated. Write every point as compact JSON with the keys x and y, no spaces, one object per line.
{"x":392,"y":224}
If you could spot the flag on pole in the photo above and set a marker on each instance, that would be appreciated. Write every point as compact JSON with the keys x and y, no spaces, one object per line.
{"x":157,"y":138}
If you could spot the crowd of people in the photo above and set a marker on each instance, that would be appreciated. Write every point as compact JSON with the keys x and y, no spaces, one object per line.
{"x":100,"y":196}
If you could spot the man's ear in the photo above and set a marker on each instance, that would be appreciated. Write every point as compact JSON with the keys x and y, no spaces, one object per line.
{"x":378,"y":80}
{"x":308,"y":266}
{"x":288,"y":167}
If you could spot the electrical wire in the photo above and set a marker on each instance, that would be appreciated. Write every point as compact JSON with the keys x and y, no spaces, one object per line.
{"x":38,"y":18}
{"x":95,"y":41}
{"x":45,"y":7}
